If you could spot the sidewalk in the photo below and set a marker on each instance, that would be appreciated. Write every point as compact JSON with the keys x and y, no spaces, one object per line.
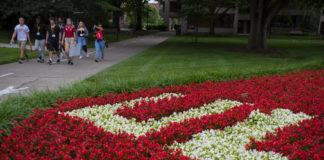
{"x":31,"y":75}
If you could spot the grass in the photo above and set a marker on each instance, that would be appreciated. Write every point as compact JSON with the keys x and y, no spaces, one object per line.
{"x":177,"y":61}
{"x":110,"y":38}
{"x":8,"y":55}
{"x":5,"y":36}
{"x":12,"y":55}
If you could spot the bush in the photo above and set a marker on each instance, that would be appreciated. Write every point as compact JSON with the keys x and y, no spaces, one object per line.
{"x":161,"y":27}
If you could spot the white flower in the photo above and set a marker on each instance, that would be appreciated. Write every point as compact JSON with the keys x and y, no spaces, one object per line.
{"x":213,"y":144}
{"x":104,"y":115}
{"x":230,"y":143}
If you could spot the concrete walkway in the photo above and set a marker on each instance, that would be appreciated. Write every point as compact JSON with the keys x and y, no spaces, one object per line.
{"x":23,"y":78}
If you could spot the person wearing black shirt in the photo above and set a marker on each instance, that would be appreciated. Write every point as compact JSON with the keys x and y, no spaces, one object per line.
{"x":53,"y":39}
{"x":40,"y":35}
{"x":61,"y":46}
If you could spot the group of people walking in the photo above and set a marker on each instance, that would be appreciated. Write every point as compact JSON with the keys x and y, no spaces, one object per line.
{"x":59,"y":38}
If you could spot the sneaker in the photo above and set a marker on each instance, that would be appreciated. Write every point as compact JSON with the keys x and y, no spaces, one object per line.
{"x":50,"y":62}
{"x":58,"y":60}
{"x":87,"y":55}
{"x":101,"y":59}
{"x":20,"y":61}
{"x":27,"y":57}
{"x":41,"y":61}
{"x":69,"y":62}
{"x":96,"y":60}
{"x":81,"y":57}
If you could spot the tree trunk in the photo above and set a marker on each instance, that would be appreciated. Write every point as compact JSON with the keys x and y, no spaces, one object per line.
{"x":261,"y":15}
{"x":196,"y":33}
{"x":139,"y":20}
{"x":212,"y":26}
{"x":252,"y":38}
{"x":116,"y":21}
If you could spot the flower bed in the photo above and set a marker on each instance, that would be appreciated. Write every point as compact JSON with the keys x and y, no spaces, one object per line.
{"x":270,"y":117}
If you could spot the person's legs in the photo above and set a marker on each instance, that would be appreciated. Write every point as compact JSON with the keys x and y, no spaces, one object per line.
{"x":85,"y":49}
{"x":97,"y":50}
{"x":25,"y":53}
{"x":62,"y":50}
{"x":67,"y":51}
{"x":58,"y":53}
{"x":70,"y":42}
{"x":84,"y":46}
{"x":37,"y":45}
{"x":58,"y":56}
{"x":50,"y":55}
{"x":21,"y":51}
{"x":23,"y":45}
{"x":80,"y":43}
{"x":102,"y":48}
{"x":42,"y":46}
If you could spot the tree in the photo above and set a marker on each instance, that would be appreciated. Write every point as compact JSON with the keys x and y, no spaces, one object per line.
{"x":117,"y":14}
{"x":150,"y":16}
{"x":136,"y":7}
{"x":216,"y":9}
{"x":194,"y":10}
{"x":11,"y":10}
{"x":94,"y":11}
{"x":261,"y":14}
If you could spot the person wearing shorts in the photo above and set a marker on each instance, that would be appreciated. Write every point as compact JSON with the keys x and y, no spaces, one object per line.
{"x":69,"y":38}
{"x":40,"y":36}
{"x":22,"y":33}
{"x":53,"y":37}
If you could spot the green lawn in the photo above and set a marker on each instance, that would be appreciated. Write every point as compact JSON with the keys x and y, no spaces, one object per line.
{"x":123,"y":35}
{"x":12,"y":55}
{"x":5,"y":36}
{"x":110,"y":38}
{"x":178,"y":61}
{"x":8,"y":55}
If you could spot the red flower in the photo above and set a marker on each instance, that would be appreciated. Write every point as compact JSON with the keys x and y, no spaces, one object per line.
{"x":46,"y":134}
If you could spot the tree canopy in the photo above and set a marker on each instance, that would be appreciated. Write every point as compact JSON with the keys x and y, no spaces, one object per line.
{"x":261,"y":13}
{"x":93,"y":11}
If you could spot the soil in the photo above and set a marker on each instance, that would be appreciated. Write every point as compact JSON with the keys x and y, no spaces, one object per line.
{"x":259,"y":51}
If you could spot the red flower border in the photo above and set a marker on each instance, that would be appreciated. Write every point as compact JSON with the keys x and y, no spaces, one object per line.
{"x":50,"y":135}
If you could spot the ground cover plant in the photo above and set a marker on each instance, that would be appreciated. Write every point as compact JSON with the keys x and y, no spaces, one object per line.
{"x":258,"y":118}
{"x":174,"y":62}
{"x":9,"y":55}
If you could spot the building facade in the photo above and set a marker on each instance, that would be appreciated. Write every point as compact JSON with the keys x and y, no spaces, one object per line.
{"x":237,"y":21}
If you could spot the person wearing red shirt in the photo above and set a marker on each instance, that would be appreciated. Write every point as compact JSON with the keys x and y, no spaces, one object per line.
{"x":69,"y":38}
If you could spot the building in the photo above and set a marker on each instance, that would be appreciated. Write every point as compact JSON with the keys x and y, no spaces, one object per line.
{"x":237,"y":21}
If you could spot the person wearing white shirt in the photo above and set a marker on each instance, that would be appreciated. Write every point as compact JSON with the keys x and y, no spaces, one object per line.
{"x":22,"y":33}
